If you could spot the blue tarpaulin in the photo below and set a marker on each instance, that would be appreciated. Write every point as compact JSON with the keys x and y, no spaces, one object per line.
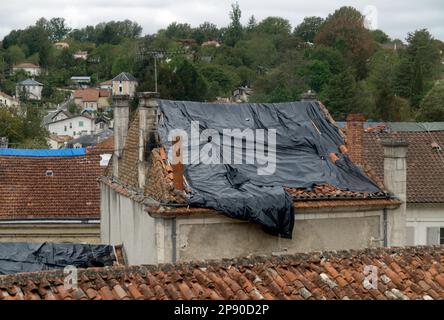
{"x":41,"y":153}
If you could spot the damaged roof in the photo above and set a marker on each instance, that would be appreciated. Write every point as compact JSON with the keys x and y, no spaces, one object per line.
{"x":160,"y":184}
{"x":403,"y":274}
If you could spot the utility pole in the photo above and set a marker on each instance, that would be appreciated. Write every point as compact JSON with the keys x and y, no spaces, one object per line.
{"x":157,"y":54}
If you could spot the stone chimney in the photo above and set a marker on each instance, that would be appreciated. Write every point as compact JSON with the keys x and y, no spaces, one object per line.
{"x":355,"y":134}
{"x":148,"y":106}
{"x":395,"y":181}
{"x":121,"y":123}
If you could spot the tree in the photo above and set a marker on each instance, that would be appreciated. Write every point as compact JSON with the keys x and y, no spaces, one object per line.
{"x":432,"y":107}
{"x":419,"y":67}
{"x":252,"y":23}
{"x":205,"y":32}
{"x":380,"y":36}
{"x":183,"y":82}
{"x":14,"y":55}
{"x":308,"y":28}
{"x":234,"y":31}
{"x":57,"y":29}
{"x":178,"y":31}
{"x":341,"y":95}
{"x":344,"y":30}
{"x":274,"y":26}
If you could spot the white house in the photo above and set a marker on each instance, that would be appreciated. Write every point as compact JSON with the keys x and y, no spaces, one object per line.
{"x":62,"y":124}
{"x":30,"y":89}
{"x":30,"y":68}
{"x":8,"y":101}
{"x":81,"y":55}
{"x":74,"y":126}
{"x":124,"y":84}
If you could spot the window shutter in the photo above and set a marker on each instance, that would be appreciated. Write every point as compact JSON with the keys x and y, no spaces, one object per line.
{"x":433,"y":234}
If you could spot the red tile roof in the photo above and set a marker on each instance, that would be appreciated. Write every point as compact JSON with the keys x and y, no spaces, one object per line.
{"x":27,"y":66}
{"x":91,"y":94}
{"x":425,"y":165}
{"x":402,"y":274}
{"x":71,"y":192}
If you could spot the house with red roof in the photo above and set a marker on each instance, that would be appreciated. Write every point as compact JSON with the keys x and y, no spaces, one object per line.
{"x":50,"y":195}
{"x":424,"y":193}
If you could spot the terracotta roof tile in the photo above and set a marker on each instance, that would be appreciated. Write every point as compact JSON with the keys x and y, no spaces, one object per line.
{"x":71,"y":191}
{"x":318,"y":275}
{"x":425,"y":165}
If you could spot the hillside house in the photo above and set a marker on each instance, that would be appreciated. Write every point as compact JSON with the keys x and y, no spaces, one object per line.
{"x":81,"y":55}
{"x":49,"y":195}
{"x":424,"y":169}
{"x":57,"y":142}
{"x":124,"y":84}
{"x":30,"y":69}
{"x":92,"y":99}
{"x":8,"y":101}
{"x":61,"y":45}
{"x":76,"y":125}
{"x":81,"y":81}
{"x":144,"y":202}
{"x":29,"y":89}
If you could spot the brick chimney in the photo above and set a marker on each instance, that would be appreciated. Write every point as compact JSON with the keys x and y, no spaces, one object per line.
{"x":148,"y":112}
{"x":395,"y":181}
{"x":121,"y":123}
{"x":355,"y":134}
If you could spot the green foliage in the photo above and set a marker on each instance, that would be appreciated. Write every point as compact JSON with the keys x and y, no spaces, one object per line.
{"x":234,"y":32}
{"x":23,"y":130}
{"x":420,"y":64}
{"x":380,"y":36}
{"x":308,"y":29}
{"x":337,"y":57}
{"x":344,"y":30}
{"x":432,"y":107}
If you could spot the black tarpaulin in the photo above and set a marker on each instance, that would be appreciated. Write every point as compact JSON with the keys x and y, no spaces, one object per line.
{"x":16,"y":257}
{"x":304,"y":140}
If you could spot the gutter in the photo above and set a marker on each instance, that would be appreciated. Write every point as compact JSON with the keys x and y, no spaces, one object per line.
{"x":41,"y":221}
{"x":173,"y":240}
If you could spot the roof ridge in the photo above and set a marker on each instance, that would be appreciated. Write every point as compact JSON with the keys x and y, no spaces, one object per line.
{"x":247,"y":262}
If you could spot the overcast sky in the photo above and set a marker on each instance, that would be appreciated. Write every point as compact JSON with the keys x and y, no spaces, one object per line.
{"x":395,"y":17}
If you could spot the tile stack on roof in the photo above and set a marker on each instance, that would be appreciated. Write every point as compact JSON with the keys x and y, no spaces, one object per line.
{"x":403,"y":273}
{"x":49,"y":187}
{"x":425,"y":164}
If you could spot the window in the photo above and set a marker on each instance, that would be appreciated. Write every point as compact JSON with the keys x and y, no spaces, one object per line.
{"x":66,"y":128}
{"x":80,"y":123}
{"x":70,"y":125}
{"x":435,"y":235}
